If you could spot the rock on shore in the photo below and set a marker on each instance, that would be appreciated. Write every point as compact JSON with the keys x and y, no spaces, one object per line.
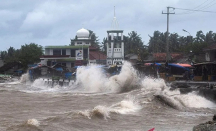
{"x":208,"y":126}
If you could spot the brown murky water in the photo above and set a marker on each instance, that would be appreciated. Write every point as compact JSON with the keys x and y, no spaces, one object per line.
{"x":99,"y":103}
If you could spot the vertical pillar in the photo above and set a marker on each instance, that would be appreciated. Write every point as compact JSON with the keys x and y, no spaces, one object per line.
{"x":108,"y":36}
{"x":107,"y":44}
{"x":122,"y":46}
{"x":112,"y":47}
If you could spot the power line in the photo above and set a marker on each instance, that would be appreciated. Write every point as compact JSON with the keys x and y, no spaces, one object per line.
{"x":187,"y":12}
{"x":200,"y":4}
{"x":209,"y":6}
{"x":195,"y":10}
{"x":199,"y":7}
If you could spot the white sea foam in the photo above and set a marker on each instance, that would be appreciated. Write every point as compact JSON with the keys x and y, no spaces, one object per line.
{"x":150,"y":84}
{"x":33,"y":122}
{"x":194,"y":100}
{"x":93,"y":79}
{"x":174,"y":98}
{"x":24,"y":78}
{"x":127,"y":106}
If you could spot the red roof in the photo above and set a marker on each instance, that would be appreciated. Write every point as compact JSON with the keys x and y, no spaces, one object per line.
{"x":92,"y":48}
{"x":162,"y":56}
{"x":97,"y":55}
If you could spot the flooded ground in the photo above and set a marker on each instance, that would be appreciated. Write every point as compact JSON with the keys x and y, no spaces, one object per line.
{"x":94,"y":102}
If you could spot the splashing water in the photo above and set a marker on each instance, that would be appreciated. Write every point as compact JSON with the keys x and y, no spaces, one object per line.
{"x":126,"y":106}
{"x":195,"y":101}
{"x":33,"y":122}
{"x":94,"y":80}
{"x":24,"y":78}
{"x":174,"y":98}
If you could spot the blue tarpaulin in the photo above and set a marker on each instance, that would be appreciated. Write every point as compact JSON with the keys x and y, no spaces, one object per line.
{"x":59,"y":69}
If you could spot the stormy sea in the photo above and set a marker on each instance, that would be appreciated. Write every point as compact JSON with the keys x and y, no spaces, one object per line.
{"x":129,"y":101}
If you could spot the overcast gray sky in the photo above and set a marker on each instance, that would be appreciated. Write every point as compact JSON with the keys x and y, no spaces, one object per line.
{"x":52,"y":22}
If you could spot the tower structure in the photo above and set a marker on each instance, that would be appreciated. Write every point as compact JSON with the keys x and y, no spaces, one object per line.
{"x":115,"y":44}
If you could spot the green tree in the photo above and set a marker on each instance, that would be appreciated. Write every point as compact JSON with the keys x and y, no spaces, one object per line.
{"x":4,"y":54}
{"x":94,"y":39}
{"x":157,"y":42}
{"x":209,"y":38}
{"x":200,"y":37}
{"x":134,"y":45}
{"x":30,"y":53}
{"x":103,"y":46}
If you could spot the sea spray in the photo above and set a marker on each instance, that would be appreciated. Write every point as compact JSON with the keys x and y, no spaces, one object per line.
{"x":173,"y":98}
{"x":33,"y":122}
{"x":29,"y":125}
{"x":150,"y":84}
{"x":93,"y":79}
{"x":125,"y":81}
{"x":126,"y":106}
{"x":24,"y":78}
{"x":98,"y":111}
{"x":193,"y":100}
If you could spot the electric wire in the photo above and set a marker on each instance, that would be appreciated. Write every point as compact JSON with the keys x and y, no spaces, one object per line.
{"x":196,"y":9}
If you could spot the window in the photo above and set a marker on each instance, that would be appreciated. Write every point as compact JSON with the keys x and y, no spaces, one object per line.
{"x":72,"y":65}
{"x":63,"y":51}
{"x":48,"y":63}
{"x":110,"y":37}
{"x":87,"y":42}
{"x":115,"y":45}
{"x":64,"y":64}
{"x":85,"y":53}
{"x":56,"y":52}
{"x":79,"y":43}
{"x":109,"y":45}
{"x":73,"y":53}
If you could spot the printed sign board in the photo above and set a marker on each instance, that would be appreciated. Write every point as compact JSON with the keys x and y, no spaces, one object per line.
{"x":79,"y":54}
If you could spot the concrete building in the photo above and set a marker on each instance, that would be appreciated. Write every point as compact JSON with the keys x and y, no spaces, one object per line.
{"x":115,"y":44}
{"x":210,"y":53}
{"x":69,"y":56}
{"x":80,"y":52}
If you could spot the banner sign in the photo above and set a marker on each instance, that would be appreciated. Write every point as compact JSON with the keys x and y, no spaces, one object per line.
{"x":79,"y":54}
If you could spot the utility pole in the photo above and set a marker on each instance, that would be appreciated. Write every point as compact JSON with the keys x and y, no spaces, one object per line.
{"x":167,"y":35}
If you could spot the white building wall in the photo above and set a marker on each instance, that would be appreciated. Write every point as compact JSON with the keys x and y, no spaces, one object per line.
{"x":43,"y":62}
{"x":51,"y":52}
{"x":47,"y":51}
{"x":122,"y":46}
{"x":68,"y":51}
{"x":83,"y":43}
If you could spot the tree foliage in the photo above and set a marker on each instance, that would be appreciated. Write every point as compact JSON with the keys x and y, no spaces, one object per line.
{"x":177,"y":43}
{"x":28,"y":54}
{"x":133,"y":43}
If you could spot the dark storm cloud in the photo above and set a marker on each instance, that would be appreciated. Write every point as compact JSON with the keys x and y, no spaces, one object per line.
{"x":52,"y":22}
